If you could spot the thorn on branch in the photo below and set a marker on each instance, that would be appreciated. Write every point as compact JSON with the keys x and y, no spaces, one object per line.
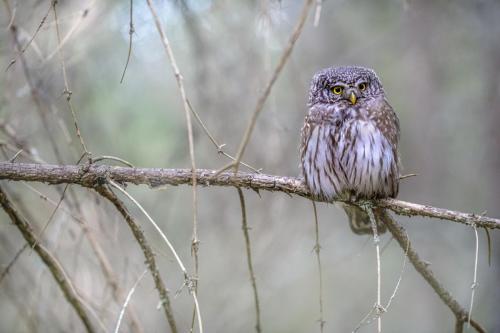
{"x":219,"y":148}
{"x":68,"y":94}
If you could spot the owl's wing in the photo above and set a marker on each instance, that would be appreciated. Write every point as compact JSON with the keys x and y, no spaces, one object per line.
{"x":386,"y":120}
{"x":305,"y":135}
{"x":387,"y":123}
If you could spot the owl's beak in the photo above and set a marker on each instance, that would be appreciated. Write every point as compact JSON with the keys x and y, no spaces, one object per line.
{"x":352,"y":98}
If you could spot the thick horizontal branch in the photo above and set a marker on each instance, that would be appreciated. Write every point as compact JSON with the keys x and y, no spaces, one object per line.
{"x":95,"y":175}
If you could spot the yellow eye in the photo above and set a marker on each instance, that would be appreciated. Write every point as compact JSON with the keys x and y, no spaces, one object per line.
{"x":362,"y":86}
{"x":337,"y":90}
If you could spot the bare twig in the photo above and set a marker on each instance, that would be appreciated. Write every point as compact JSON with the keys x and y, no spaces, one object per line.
{"x":413,"y":209}
{"x":71,"y":31}
{"x":249,"y":259}
{"x":408,"y":176}
{"x":7,"y":268}
{"x":63,"y":194}
{"x":112,"y":158}
{"x":35,"y":94}
{"x":17,"y":143}
{"x":317,"y":250}
{"x":400,"y":275}
{"x":317,"y":13}
{"x":16,"y":155}
{"x":474,"y":282}
{"x":40,"y":234}
{"x":130,"y":34}
{"x":488,"y":238}
{"x":104,"y":262}
{"x":366,"y":319}
{"x":423,"y":268}
{"x":155,"y":225}
{"x":376,"y":240}
{"x":25,"y":47}
{"x":179,"y":79}
{"x":148,"y":253}
{"x":127,"y":300}
{"x":267,"y":91}
{"x":67,"y":90}
{"x":212,"y":139}
{"x":93,"y":175}
{"x":188,"y":281}
{"x":63,"y":282}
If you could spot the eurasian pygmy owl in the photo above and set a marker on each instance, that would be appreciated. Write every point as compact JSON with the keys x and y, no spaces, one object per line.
{"x":349,"y":146}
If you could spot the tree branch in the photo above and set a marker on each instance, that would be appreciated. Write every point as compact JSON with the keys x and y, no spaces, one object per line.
{"x":95,"y":175}
{"x":146,"y":249}
{"x":423,"y":268}
{"x":49,"y":260}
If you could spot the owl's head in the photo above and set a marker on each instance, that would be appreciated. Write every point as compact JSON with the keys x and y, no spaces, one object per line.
{"x":348,"y":83}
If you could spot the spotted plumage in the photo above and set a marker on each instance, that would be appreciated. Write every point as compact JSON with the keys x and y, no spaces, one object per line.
{"x":349,"y":146}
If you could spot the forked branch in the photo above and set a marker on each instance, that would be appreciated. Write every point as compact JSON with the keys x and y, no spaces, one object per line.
{"x":423,"y":268}
{"x":51,"y":263}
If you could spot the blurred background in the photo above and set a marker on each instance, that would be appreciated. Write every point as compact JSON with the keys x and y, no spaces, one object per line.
{"x":439,"y":62}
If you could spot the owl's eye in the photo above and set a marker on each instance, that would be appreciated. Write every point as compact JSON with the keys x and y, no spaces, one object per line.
{"x":337,"y":90}
{"x":362,"y":86}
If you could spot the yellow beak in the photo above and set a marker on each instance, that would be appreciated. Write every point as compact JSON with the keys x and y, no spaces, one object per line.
{"x":352,"y":98}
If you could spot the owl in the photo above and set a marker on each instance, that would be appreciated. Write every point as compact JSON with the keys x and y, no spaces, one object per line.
{"x":349,"y":143}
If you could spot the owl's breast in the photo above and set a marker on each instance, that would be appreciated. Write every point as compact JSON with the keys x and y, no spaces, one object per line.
{"x":321,"y":167}
{"x":368,"y":158}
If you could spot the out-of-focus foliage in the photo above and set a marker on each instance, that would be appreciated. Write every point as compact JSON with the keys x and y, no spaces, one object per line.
{"x":440,"y":64}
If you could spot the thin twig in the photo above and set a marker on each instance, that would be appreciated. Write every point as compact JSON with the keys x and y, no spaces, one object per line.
{"x":400,"y":275}
{"x":408,"y":176}
{"x":25,"y":47}
{"x":376,"y":240}
{"x":317,"y":14}
{"x":317,"y":250}
{"x":423,"y":269}
{"x":61,"y":278}
{"x":112,"y":158}
{"x":71,"y":31}
{"x":67,"y":90}
{"x":40,"y":234}
{"x":7,"y":268}
{"x":366,"y":319}
{"x":147,"y":251}
{"x":267,"y":91}
{"x":104,"y":262}
{"x":474,"y":282}
{"x":16,"y":155}
{"x":249,"y":259}
{"x":130,"y":34}
{"x":17,"y":143}
{"x":488,"y":237}
{"x":127,"y":300}
{"x":63,"y":194}
{"x":155,"y":225}
{"x":93,"y":175}
{"x":212,"y":139}
{"x":187,"y":279}
{"x":195,"y":242}
{"x":35,"y":94}
{"x":386,"y":245}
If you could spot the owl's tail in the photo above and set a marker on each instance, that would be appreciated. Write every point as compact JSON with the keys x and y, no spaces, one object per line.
{"x":360,"y":222}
